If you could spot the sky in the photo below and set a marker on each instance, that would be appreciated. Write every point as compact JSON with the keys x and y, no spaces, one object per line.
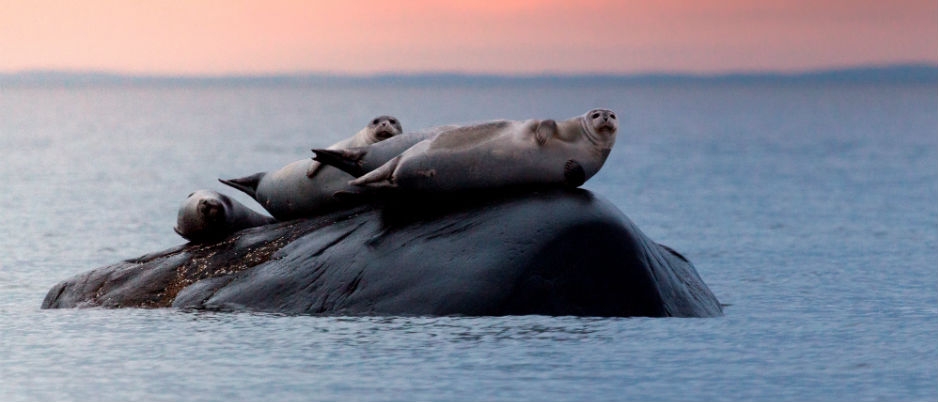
{"x":203,"y":37}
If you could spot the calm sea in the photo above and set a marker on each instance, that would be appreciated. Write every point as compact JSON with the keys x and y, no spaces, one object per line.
{"x":811,"y":210}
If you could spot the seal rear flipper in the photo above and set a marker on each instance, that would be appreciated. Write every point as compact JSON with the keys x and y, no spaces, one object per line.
{"x":347,"y":160}
{"x":246,"y":184}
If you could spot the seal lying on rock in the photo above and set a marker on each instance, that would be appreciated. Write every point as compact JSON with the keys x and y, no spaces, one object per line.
{"x":496,"y":155}
{"x":380,"y":129}
{"x":208,"y":215}
{"x":303,"y":188}
{"x":357,"y":161}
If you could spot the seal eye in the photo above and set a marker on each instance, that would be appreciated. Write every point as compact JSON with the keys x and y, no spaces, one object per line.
{"x":612,"y":115}
{"x":392,"y":121}
{"x":374,"y":122}
{"x":595,"y":115}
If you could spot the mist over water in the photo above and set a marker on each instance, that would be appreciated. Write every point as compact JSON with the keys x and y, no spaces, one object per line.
{"x":809,"y":208}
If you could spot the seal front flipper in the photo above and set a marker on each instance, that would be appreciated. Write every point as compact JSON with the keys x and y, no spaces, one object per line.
{"x":313,"y":168}
{"x":347,"y":160}
{"x":351,"y":195}
{"x":573,"y":174}
{"x":544,"y":131}
{"x":382,"y":177}
{"x":246,"y":184}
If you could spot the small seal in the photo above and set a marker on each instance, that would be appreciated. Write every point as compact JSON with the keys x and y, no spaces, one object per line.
{"x":208,"y":215}
{"x":502,"y":154}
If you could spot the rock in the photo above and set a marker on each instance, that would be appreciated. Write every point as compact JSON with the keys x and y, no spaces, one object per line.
{"x":557,"y":252}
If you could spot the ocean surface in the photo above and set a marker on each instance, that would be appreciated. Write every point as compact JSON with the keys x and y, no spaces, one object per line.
{"x":810,"y":209}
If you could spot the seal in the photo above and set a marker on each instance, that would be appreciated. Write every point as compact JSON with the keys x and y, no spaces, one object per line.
{"x":379,"y":129}
{"x":208,"y":215}
{"x":357,"y":161}
{"x":304,"y":188}
{"x":502,"y":154}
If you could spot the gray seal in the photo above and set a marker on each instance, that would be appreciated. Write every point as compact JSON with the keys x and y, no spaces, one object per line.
{"x":304,"y":188}
{"x":502,"y":154}
{"x":208,"y":215}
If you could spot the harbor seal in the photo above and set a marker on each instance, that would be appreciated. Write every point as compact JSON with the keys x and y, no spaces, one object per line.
{"x":208,"y":215}
{"x":304,"y":188}
{"x":379,"y":129}
{"x":502,"y":154}
{"x":357,"y":161}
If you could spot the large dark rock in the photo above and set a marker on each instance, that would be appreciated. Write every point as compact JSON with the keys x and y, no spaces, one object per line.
{"x":551,"y":252}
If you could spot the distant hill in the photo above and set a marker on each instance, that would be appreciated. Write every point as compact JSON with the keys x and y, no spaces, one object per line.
{"x":905,"y":73}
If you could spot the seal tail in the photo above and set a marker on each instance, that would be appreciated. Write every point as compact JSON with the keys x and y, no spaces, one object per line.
{"x":347,"y":160}
{"x":248,"y":184}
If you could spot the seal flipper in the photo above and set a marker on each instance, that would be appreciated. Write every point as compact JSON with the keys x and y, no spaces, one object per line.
{"x":573,"y":174}
{"x":349,"y":195}
{"x":347,"y":160}
{"x":382,"y":177}
{"x":246,"y":184}
{"x":314,"y":167}
{"x":545,"y":130}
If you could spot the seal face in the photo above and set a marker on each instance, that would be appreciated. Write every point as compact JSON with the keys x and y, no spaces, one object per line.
{"x":502,"y":154}
{"x":601,"y":128}
{"x":384,"y":127}
{"x":305,"y":187}
{"x":208,"y":215}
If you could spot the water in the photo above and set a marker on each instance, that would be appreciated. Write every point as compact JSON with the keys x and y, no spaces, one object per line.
{"x":810,"y":209}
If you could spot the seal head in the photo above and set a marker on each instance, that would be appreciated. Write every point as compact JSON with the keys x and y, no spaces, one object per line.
{"x":383,"y":127}
{"x":600,"y":127}
{"x":207,"y":215}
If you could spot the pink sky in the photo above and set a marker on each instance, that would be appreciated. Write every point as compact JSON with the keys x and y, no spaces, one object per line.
{"x":504,"y":36}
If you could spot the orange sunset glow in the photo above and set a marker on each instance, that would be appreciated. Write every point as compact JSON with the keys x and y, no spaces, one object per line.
{"x":508,"y":36}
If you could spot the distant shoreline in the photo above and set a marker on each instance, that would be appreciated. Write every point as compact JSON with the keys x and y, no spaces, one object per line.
{"x":902,"y":73}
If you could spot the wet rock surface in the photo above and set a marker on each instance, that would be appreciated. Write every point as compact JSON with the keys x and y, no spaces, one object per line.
{"x":557,"y":252}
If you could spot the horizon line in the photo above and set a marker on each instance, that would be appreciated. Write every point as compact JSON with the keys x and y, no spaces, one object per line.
{"x":917,"y":71}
